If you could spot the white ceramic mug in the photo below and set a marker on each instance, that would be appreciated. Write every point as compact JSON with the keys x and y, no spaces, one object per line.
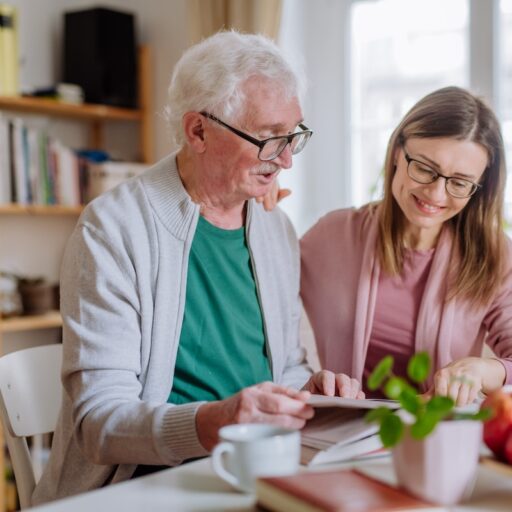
{"x":248,"y":451}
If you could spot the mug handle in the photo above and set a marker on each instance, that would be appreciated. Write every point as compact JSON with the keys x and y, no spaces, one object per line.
{"x":218,"y":466}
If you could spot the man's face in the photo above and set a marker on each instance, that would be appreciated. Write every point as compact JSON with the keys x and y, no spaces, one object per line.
{"x":233,"y":164}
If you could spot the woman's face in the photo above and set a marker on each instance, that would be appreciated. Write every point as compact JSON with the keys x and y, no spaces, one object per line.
{"x":427,"y":206}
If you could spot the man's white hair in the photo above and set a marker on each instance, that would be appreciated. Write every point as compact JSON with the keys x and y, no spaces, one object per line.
{"x":210,"y":74}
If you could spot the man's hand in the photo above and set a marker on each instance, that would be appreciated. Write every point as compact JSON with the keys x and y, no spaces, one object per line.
{"x":461,"y":380}
{"x":273,"y":196}
{"x":328,"y":383}
{"x":262,"y":403}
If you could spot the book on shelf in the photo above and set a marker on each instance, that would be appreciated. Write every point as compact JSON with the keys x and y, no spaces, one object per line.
{"x":9,"y":69}
{"x":5,"y":162}
{"x":332,"y":491}
{"x":36,"y":169}
{"x":339,"y":432}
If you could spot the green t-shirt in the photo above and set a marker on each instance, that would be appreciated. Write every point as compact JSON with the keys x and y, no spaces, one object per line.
{"x":222,"y":344}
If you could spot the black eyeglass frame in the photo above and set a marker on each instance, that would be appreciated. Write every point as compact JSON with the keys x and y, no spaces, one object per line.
{"x":438,"y":175}
{"x":261,"y":143}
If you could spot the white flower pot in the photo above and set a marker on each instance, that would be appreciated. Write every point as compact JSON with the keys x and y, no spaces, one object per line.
{"x":442,"y":467}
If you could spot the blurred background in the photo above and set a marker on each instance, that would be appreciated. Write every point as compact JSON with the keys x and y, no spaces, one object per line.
{"x":367,"y":62}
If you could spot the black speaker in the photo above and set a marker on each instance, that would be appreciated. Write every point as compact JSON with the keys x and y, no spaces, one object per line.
{"x":100,"y":55}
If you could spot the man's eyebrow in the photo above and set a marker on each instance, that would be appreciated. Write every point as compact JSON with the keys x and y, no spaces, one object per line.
{"x":438,"y":167}
{"x":276,"y":127}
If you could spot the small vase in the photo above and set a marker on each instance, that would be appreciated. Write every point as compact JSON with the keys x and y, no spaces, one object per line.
{"x":442,"y":467}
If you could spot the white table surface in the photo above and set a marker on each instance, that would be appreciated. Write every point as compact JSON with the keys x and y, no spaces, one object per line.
{"x":195,"y":487}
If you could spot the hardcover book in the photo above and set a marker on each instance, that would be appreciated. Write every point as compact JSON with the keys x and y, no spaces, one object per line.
{"x":9,"y":68}
{"x":332,"y":491}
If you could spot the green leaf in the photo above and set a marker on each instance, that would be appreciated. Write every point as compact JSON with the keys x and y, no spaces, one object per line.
{"x":410,"y":401}
{"x":381,"y":371}
{"x":376,"y":415}
{"x":418,"y":367}
{"x":391,"y":430}
{"x":394,"y":387}
{"x":440,"y":405}
{"x":424,"y":425}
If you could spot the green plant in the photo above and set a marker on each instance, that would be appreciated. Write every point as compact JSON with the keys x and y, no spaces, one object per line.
{"x":425,"y":411}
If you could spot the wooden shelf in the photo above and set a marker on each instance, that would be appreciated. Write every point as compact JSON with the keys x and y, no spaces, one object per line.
{"x":27,"y":323}
{"x":39,"y":209}
{"x":50,"y":107}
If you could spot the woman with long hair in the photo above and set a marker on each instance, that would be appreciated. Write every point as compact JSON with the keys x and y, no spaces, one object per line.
{"x":427,"y":268}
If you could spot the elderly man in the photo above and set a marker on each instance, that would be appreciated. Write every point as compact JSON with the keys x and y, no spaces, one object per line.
{"x":179,"y":292}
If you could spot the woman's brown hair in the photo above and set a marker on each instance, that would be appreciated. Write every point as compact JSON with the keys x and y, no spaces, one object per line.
{"x":478,"y":229}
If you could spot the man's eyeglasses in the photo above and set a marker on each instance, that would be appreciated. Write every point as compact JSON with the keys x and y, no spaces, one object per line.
{"x":422,"y":173}
{"x":272,"y":147}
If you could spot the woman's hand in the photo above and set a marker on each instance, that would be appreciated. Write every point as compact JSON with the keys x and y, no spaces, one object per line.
{"x":461,"y":380}
{"x":328,"y":383}
{"x":273,"y":196}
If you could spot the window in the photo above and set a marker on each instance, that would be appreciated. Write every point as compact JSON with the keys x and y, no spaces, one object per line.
{"x":400,"y":51}
{"x":505,"y":83}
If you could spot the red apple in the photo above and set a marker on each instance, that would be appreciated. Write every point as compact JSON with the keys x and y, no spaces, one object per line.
{"x":508,"y":449}
{"x":498,"y":429}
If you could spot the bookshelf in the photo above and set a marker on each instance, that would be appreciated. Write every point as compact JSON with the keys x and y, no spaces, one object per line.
{"x":96,"y":117}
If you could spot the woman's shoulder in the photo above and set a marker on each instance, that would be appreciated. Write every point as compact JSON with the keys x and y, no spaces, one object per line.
{"x":345,"y":221}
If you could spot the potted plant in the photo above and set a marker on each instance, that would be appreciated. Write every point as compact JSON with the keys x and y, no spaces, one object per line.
{"x":435,"y":448}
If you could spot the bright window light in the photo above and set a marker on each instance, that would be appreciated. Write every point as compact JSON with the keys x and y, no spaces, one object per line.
{"x":505,"y":83}
{"x":401,"y":50}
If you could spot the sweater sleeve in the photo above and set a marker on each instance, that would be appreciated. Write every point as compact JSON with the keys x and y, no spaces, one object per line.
{"x":102,"y":362}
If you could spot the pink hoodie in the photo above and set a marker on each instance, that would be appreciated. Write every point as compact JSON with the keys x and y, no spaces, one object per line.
{"x":340,"y":275}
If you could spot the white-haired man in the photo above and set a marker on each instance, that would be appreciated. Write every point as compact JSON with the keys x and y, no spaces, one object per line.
{"x":180,"y":294}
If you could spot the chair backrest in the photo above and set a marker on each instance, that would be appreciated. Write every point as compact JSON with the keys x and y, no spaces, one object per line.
{"x":30,"y":399}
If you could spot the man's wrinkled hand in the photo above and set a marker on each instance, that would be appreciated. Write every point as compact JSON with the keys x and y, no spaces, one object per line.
{"x":263,"y":403}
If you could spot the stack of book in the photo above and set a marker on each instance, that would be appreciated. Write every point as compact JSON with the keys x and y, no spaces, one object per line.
{"x":37,"y":169}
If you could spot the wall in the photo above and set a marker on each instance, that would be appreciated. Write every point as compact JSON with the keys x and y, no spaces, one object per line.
{"x":325,"y":60}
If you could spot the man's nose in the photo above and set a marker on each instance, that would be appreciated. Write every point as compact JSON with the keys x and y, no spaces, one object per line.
{"x":285,"y":159}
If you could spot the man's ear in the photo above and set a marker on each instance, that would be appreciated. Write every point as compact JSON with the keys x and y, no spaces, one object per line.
{"x":193,"y":127}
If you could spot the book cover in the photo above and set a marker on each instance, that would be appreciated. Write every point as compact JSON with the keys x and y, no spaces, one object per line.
{"x":9,"y":70}
{"x":19,"y":164}
{"x":332,"y":491}
{"x":322,"y":401}
{"x":5,"y":162}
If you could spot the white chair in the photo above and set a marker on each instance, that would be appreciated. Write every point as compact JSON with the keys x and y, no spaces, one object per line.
{"x":30,"y":397}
